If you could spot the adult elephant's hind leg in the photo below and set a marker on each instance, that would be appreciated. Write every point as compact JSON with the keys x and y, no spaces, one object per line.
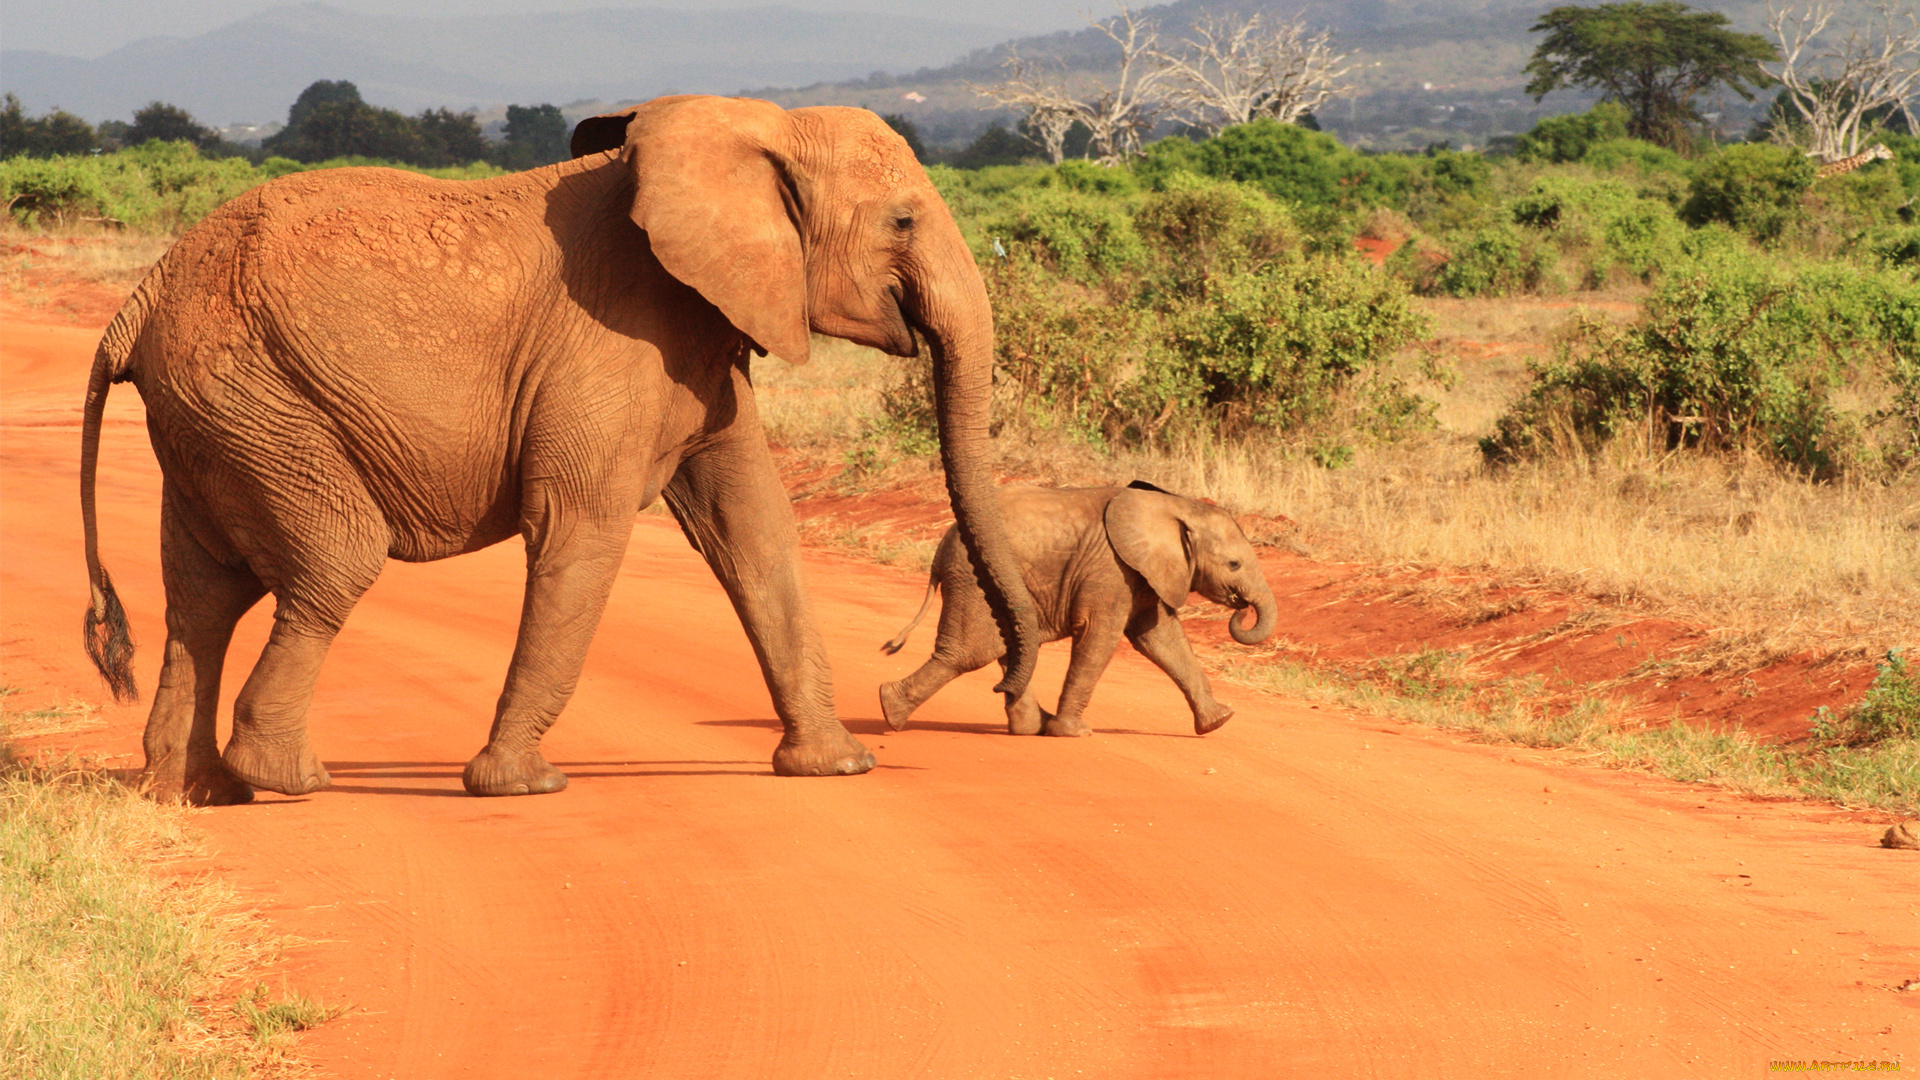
{"x":568,"y":580}
{"x":324,"y":565}
{"x":204,"y":600}
{"x":734,"y":510}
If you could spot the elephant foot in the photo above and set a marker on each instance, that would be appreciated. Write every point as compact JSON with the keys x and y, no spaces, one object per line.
{"x":494,"y":773}
{"x":286,"y":766}
{"x":1067,"y":727}
{"x":894,"y":706}
{"x":1024,"y":717}
{"x":210,"y":784}
{"x":835,"y":753}
{"x":1211,"y":719}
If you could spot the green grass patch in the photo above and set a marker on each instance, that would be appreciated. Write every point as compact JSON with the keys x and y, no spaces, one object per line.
{"x":109,"y":966}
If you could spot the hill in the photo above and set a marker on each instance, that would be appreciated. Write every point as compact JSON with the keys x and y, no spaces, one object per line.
{"x":1424,"y":70}
{"x":252,"y":69}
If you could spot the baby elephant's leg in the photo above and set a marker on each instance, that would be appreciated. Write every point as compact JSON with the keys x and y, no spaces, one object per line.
{"x":968,"y":640}
{"x":1159,"y":637}
{"x":1092,"y":649}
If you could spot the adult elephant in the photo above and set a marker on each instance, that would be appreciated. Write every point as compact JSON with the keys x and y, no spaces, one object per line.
{"x":347,"y":366}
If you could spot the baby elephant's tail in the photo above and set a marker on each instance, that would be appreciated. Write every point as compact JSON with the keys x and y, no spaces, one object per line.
{"x":900,"y":639}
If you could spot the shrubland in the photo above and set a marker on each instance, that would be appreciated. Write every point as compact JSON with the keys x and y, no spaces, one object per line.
{"x":155,"y":187}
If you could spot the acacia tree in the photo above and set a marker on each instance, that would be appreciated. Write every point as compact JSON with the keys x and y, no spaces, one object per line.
{"x":1654,"y":58}
{"x":1233,"y":70}
{"x":58,"y":132}
{"x":168,"y":123}
{"x":1839,"y":91}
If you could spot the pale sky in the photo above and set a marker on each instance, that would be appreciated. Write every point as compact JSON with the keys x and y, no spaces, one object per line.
{"x":90,"y":28}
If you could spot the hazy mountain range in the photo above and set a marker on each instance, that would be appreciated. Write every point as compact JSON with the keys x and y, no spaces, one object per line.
{"x":1424,"y":70}
{"x":251,"y":70}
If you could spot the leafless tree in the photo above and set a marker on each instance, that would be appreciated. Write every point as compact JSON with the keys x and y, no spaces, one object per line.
{"x":1237,"y":68}
{"x":1051,"y":111}
{"x":1835,"y":90}
{"x":1122,"y":115}
{"x":1117,"y":117}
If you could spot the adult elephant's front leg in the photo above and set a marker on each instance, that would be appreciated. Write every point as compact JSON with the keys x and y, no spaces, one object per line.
{"x":568,"y":579}
{"x":735,"y":511}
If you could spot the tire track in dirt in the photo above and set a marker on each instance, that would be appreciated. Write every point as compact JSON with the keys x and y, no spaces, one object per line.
{"x":1307,"y":891}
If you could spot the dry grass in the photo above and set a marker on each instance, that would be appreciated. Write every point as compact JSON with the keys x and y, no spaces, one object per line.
{"x":112,"y":963}
{"x":1490,"y":342}
{"x":1777,"y":563}
{"x":51,"y":719}
{"x":827,"y":404}
{"x":1432,"y":689}
{"x":99,"y":255}
{"x":1734,"y":544}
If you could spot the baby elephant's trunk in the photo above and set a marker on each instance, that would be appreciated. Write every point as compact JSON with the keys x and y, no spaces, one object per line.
{"x":1263,"y":610}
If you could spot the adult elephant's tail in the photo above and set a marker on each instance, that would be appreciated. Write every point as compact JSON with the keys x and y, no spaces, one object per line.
{"x":108,"y":639}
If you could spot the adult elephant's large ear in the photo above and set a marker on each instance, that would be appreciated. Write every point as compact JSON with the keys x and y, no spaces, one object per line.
{"x":598,"y":134}
{"x":1148,"y":530}
{"x":712,"y":190}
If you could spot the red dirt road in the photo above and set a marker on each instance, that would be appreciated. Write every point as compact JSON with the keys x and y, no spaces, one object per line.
{"x":1305,"y":892}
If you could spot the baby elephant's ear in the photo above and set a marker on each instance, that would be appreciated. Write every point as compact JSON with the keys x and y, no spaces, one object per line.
{"x":1148,"y":531}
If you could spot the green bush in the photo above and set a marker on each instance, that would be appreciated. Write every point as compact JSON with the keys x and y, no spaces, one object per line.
{"x":1635,"y":156}
{"x":1737,"y":354}
{"x":1064,"y":353}
{"x":1202,"y":229}
{"x":1498,"y":260}
{"x":1442,"y":190}
{"x":157,"y":186}
{"x":1561,"y":139}
{"x":1890,"y":709}
{"x":1168,"y":157}
{"x":1081,"y":175}
{"x":1273,"y":349}
{"x":1603,"y":225}
{"x":43,"y":190}
{"x":1227,"y":329}
{"x":1893,"y":245}
{"x":1295,"y":165}
{"x":1085,"y":236}
{"x":1754,"y":187}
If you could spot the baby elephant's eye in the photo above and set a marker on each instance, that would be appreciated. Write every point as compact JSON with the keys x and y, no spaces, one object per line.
{"x":1233,"y":564}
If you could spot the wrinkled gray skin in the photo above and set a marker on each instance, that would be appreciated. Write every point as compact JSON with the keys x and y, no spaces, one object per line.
{"x":1100,"y":563}
{"x":352,"y":365}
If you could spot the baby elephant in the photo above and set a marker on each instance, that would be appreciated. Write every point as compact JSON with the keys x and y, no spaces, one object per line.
{"x":1100,"y":562}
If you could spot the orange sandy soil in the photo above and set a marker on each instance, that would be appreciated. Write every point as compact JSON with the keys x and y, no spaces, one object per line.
{"x":1308,"y":891}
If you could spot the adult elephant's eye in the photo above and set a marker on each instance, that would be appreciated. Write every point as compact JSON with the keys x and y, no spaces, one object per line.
{"x":903,"y":223}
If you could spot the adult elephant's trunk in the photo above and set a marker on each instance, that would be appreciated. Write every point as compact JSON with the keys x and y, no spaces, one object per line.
{"x":954,"y":314}
{"x":1260,"y":599}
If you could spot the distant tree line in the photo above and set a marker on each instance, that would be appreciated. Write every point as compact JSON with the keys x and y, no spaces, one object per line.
{"x":328,"y":120}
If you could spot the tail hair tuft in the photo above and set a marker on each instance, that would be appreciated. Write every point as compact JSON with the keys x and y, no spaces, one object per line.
{"x":110,"y":641}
